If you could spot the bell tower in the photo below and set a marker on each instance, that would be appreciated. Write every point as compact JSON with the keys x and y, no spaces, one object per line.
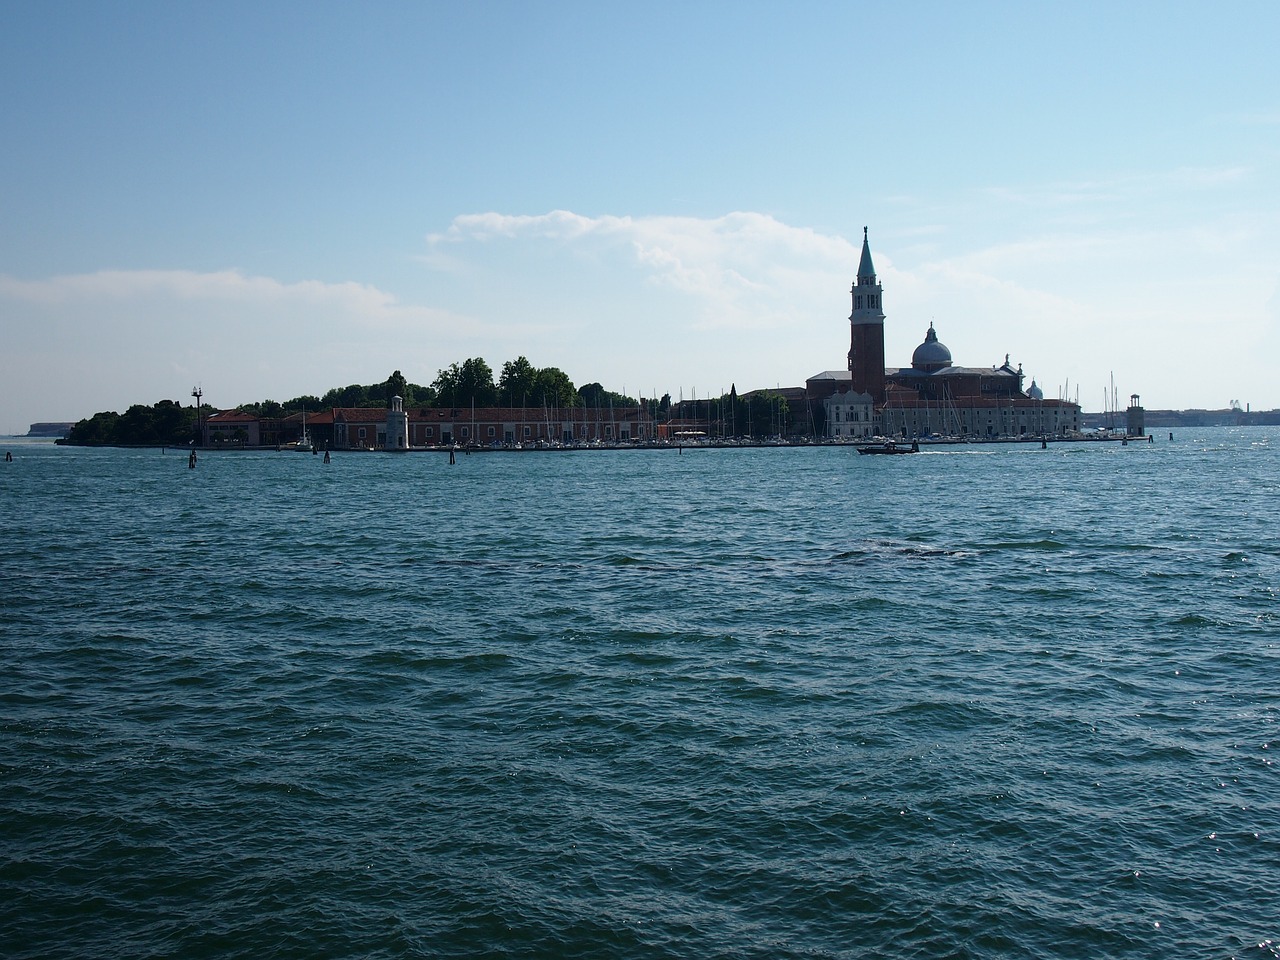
{"x":866,"y":328}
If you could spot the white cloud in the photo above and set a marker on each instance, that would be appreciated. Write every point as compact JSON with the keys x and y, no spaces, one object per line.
{"x":81,"y":343}
{"x":361,"y":301}
{"x":741,"y":270}
{"x":1126,"y":190}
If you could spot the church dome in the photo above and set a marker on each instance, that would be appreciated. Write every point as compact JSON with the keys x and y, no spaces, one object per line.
{"x":1034,"y":392}
{"x":932,"y":354}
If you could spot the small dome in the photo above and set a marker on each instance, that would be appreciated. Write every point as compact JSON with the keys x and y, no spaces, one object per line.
{"x":1034,"y":392}
{"x":932,"y":354}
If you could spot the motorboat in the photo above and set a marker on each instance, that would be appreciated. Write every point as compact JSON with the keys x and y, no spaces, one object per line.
{"x":890,"y":447}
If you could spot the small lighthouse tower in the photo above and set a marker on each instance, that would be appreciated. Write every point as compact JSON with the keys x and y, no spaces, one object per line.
{"x":1136,"y":417}
{"x":397,"y":426}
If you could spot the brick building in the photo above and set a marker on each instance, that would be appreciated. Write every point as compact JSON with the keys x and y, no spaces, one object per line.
{"x":368,"y":428}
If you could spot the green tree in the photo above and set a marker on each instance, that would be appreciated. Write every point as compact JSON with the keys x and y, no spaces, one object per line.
{"x":422,"y":396}
{"x":137,"y":425}
{"x":269,"y":409}
{"x":165,"y":422}
{"x":465,"y":384}
{"x":592,"y":395}
{"x":307,"y":402}
{"x":397,"y":386}
{"x":171,"y":421}
{"x":553,"y":387}
{"x":476,"y":383}
{"x":354,"y":395}
{"x":446,"y":384}
{"x":516,"y":384}
{"x":767,"y":414}
{"x":100,"y":428}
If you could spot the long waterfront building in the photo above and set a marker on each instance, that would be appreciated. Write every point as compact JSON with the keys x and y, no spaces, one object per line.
{"x":378,"y":428}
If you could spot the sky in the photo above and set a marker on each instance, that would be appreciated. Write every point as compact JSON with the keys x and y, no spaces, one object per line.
{"x":271,"y":199}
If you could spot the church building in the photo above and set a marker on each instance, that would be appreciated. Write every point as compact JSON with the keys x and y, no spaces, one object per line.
{"x":933,"y":396}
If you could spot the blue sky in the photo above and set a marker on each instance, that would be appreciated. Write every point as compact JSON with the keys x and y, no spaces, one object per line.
{"x":271,"y":199}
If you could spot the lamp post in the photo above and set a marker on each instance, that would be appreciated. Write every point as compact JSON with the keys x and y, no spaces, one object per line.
{"x":198,"y":394}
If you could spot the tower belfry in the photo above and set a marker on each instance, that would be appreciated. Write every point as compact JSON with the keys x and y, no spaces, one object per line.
{"x":866,"y":329}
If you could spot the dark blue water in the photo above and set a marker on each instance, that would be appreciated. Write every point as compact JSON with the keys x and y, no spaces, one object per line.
{"x":989,"y":702}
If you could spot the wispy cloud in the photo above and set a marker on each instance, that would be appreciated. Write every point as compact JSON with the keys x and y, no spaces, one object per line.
{"x":1125,"y":189}
{"x":742,"y":269}
{"x":1262,"y":118}
{"x":107,"y":339}
{"x":227,"y":286}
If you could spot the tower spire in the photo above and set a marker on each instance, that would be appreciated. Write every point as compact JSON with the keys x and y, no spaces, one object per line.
{"x":866,"y":269}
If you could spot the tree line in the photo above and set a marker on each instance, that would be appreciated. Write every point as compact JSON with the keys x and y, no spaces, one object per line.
{"x":166,"y":423}
{"x":471,"y":382}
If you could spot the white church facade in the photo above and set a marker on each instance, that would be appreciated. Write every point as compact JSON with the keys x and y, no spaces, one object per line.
{"x":851,"y":415}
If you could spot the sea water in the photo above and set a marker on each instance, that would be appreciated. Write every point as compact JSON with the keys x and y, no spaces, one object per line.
{"x":987,"y":701}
